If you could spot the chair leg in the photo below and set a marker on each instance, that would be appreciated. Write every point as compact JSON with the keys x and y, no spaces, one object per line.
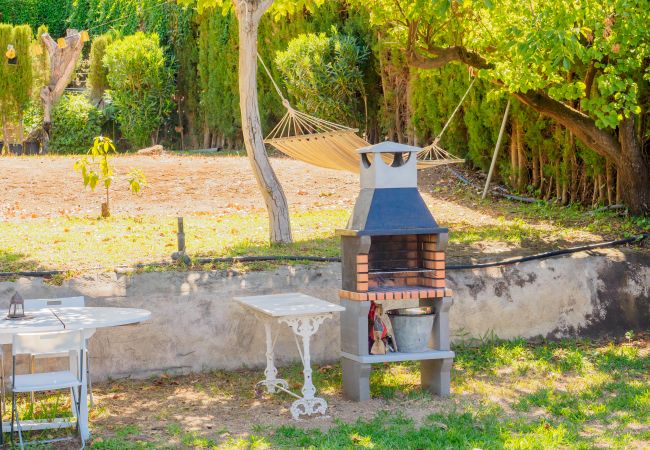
{"x":13,"y":410}
{"x":90,"y":382}
{"x":14,"y":413}
{"x":31,"y":370}
{"x":20,"y":432}
{"x":2,"y":381}
{"x":77,"y":405}
{"x":2,"y":395}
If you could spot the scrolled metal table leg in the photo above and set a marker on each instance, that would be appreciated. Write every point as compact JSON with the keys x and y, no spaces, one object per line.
{"x":305,"y":327}
{"x":271,"y":372}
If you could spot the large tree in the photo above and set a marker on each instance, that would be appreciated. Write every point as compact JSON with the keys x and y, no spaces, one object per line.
{"x":249,"y":14}
{"x":583,"y":64}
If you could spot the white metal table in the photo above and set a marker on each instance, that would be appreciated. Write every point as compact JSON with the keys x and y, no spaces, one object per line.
{"x":69,"y":318}
{"x":304,"y":315}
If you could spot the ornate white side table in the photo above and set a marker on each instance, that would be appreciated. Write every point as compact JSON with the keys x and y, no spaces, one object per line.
{"x":304,"y":315}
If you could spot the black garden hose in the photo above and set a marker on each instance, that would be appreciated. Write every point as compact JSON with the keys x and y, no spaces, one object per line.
{"x":552,"y":253}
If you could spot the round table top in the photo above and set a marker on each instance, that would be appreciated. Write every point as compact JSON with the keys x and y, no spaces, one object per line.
{"x":73,"y":318}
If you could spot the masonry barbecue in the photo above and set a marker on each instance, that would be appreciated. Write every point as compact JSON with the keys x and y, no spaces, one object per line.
{"x":392,"y":251}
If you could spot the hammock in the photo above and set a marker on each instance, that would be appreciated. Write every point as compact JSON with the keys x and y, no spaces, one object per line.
{"x":327,"y":144}
{"x":316,"y":141}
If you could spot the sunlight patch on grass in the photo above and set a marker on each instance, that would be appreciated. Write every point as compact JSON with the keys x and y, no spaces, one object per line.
{"x":92,"y":243}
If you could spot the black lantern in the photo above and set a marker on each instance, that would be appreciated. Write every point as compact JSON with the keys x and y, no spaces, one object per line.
{"x":16,"y":301}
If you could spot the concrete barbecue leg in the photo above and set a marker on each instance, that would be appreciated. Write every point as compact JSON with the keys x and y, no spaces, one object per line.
{"x":436,"y":376}
{"x":356,"y":380}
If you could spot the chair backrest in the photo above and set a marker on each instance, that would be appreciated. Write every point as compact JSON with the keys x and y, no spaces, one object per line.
{"x":50,"y":342}
{"x":65,"y":302}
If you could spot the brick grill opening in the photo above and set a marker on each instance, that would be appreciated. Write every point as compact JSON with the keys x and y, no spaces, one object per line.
{"x":398,"y":267}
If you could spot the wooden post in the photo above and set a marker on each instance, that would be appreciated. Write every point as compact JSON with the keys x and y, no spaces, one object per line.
{"x":181,"y":236}
{"x":496,"y":150}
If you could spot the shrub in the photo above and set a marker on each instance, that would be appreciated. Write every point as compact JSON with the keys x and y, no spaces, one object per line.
{"x":75,"y":122}
{"x":97,"y":76}
{"x":324,"y":74}
{"x":140,"y":86}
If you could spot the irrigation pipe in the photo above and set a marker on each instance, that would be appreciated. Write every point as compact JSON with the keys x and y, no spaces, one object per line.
{"x":566,"y":251}
{"x":232,"y":259}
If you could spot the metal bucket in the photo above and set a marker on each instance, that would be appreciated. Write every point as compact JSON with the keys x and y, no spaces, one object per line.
{"x":412,"y":328}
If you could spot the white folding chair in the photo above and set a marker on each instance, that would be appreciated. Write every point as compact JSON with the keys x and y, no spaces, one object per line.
{"x":53,"y":303}
{"x":52,"y":343}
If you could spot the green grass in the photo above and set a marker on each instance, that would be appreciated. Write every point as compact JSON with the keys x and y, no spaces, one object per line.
{"x":86,"y":243}
{"x":91,"y":243}
{"x":561,"y":220}
{"x":590,"y":396}
{"x":467,"y":430}
{"x":574,"y":394}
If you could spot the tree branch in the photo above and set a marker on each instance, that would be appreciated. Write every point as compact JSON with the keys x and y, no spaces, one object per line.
{"x":263,"y":6}
{"x":589,"y":78}
{"x":442,"y":56}
{"x":579,"y":123}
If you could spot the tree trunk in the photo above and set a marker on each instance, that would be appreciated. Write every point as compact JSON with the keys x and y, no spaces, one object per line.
{"x":63,"y":62}
{"x":633,"y":170}
{"x":249,"y":13}
{"x":5,"y":134}
{"x":514,"y":157}
{"x":574,"y":190}
{"x":609,"y":177}
{"x":624,"y":150}
{"x":206,"y":136}
{"x":523,"y":160}
{"x":535,"y":169}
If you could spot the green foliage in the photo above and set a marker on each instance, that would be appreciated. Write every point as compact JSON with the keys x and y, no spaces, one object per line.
{"x":125,"y":16}
{"x":16,"y":78}
{"x":217,"y":72}
{"x":5,"y":69}
{"x":534,"y":46}
{"x":34,"y":13}
{"x":40,"y":63}
{"x":217,"y":54}
{"x":21,"y":73}
{"x":324,"y":74}
{"x":140,"y":86}
{"x":97,"y":80}
{"x":96,"y":168}
{"x":76,"y":121}
{"x":473,"y":131}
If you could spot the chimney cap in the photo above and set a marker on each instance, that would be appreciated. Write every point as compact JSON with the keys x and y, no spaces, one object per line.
{"x":389,"y":147}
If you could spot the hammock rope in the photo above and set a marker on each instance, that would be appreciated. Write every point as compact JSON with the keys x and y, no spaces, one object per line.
{"x":433,"y":155}
{"x":334,"y":146}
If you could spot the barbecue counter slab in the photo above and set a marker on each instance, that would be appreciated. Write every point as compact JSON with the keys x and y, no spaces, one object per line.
{"x":399,"y":356}
{"x":304,"y":315}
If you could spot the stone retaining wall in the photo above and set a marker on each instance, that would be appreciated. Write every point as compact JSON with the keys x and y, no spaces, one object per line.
{"x":196,"y":325}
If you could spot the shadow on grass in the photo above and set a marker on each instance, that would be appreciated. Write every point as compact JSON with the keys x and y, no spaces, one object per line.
{"x":598,"y":387}
{"x":606,"y":408}
{"x":326,"y":247}
{"x":15,"y":262}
